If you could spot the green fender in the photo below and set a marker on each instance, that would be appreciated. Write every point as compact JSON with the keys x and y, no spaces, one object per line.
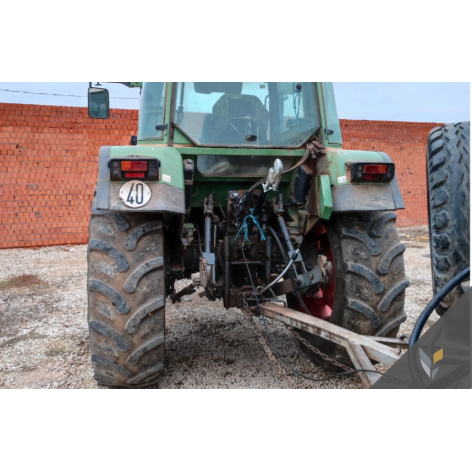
{"x":332,"y":191}
{"x":167,"y":194}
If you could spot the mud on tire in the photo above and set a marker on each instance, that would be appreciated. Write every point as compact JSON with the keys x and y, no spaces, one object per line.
{"x":126,"y":298}
{"x":448,"y":162}
{"x":370,"y":279}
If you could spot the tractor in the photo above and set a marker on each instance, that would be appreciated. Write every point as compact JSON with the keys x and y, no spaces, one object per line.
{"x":244,"y":189}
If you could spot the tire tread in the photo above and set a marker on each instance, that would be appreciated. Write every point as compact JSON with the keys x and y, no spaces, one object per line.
{"x":127,"y":348}
{"x":448,"y":162}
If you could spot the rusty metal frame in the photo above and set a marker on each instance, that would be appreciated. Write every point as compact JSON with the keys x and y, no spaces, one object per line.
{"x":361,"y":349}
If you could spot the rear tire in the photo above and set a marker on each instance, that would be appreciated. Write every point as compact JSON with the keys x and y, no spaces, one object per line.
{"x":370,"y":283}
{"x":126,"y":298}
{"x":448,"y":161}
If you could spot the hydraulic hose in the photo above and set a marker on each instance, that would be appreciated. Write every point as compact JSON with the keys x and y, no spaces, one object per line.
{"x":415,"y":335}
{"x":292,"y":260}
{"x":309,"y":150}
{"x":279,"y":244}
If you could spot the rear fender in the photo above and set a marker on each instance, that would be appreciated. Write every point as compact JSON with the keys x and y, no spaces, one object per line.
{"x":167,"y":194}
{"x":347,"y":196}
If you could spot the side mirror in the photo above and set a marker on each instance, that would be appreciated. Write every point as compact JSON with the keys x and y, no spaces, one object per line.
{"x":98,"y":103}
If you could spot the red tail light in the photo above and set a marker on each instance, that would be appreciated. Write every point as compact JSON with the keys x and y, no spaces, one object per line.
{"x":135,"y":175}
{"x":375,"y":169}
{"x":372,"y":177}
{"x":128,"y":168}
{"x":371,"y":171}
{"x":134,"y":165}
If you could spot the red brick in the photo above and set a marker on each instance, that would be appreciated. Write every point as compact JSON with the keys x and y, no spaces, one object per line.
{"x":49,"y":159}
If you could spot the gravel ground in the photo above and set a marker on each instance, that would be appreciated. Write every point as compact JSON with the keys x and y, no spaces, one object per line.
{"x":43,"y":329}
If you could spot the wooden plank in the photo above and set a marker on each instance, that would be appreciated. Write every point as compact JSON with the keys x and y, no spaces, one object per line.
{"x":376,"y":351}
{"x":361,"y":361}
{"x":392,"y":342}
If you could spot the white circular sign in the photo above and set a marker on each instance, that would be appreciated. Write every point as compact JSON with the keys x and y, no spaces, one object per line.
{"x":135,"y":194}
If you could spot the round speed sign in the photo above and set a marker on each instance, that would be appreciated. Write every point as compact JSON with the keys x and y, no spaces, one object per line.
{"x":135,"y":194}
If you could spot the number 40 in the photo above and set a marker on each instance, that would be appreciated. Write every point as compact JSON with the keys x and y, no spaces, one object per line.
{"x":138,"y":193}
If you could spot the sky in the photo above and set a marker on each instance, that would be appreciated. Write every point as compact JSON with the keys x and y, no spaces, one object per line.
{"x":441,"y":102}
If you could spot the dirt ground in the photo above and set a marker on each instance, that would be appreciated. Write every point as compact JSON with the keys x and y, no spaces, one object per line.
{"x":44,"y":335}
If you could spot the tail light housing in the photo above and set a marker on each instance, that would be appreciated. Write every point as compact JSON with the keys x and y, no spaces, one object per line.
{"x":134,"y":169}
{"x":371,"y":171}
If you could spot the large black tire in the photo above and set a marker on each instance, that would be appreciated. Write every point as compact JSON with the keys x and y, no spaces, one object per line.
{"x":370,"y":279}
{"x":448,"y":161}
{"x":126,"y":298}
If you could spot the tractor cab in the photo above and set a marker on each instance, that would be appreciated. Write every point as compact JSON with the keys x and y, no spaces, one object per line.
{"x":264,"y":116}
{"x":238,"y":114}
{"x":232,"y":114}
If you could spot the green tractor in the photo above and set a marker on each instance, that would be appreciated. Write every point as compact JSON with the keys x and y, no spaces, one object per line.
{"x":243,"y":188}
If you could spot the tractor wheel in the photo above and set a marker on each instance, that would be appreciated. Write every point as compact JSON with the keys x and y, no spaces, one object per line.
{"x":126,"y":298}
{"x":448,"y":160}
{"x":367,"y":290}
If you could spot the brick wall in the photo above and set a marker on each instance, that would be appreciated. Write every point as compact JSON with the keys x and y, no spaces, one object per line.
{"x":48,"y":170}
{"x":49,"y":155}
